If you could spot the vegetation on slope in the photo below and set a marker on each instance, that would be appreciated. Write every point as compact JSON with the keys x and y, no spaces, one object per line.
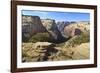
{"x":39,"y":37}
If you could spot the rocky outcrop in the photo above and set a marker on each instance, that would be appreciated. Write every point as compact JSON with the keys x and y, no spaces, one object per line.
{"x":76,"y":29}
{"x":61,"y":25}
{"x":70,"y":32}
{"x":31,"y":25}
{"x":40,"y":51}
{"x":53,"y":30}
{"x":49,"y":52}
{"x":43,"y":52}
{"x":48,"y":23}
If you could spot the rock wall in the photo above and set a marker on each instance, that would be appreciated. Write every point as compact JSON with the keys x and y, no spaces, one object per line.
{"x":31,"y":25}
{"x":52,"y":28}
{"x":48,"y":23}
{"x":76,"y":29}
{"x":61,"y":25}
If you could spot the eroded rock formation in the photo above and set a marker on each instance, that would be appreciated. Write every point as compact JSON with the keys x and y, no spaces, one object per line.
{"x":31,"y":25}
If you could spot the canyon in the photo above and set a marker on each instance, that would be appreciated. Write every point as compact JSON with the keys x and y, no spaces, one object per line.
{"x":48,"y":40}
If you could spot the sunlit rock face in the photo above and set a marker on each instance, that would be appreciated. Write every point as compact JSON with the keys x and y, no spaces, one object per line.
{"x":76,"y":29}
{"x":31,"y":25}
{"x":51,"y":26}
{"x":48,"y":23}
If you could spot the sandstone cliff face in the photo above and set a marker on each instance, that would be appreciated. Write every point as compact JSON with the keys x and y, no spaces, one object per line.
{"x":52,"y":28}
{"x":76,"y":29}
{"x":48,"y":23}
{"x":31,"y":25}
{"x":61,"y":25}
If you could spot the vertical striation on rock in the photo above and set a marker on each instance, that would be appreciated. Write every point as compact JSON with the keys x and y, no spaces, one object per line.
{"x":31,"y":25}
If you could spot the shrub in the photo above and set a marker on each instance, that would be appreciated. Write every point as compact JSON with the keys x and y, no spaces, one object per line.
{"x":83,"y":38}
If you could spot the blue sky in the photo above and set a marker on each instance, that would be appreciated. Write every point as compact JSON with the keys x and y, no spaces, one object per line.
{"x":59,"y":16}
